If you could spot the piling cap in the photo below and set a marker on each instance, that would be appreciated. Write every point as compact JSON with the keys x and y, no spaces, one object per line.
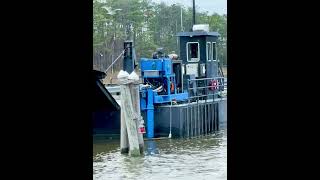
{"x":133,"y":76}
{"x":123,"y":77}
{"x":123,"y":74}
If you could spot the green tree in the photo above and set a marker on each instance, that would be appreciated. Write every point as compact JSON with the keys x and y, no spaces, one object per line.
{"x":149,"y":24}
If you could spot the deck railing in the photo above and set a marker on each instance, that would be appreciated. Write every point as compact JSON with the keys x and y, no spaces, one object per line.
{"x":203,"y":89}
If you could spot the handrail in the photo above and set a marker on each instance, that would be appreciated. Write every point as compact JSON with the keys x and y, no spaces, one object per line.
{"x":205,"y":88}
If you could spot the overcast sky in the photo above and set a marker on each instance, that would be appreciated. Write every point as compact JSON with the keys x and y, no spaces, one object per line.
{"x":212,"y":6}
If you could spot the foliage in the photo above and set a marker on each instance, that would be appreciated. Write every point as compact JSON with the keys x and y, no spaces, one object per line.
{"x":150,"y":25}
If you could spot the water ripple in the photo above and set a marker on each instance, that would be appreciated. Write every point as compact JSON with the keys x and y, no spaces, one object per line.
{"x":197,"y":158}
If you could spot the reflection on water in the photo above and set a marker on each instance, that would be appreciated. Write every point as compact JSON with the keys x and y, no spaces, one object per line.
{"x":199,"y":158}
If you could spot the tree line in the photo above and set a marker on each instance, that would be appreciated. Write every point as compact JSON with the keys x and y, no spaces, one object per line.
{"x":150,"y":25}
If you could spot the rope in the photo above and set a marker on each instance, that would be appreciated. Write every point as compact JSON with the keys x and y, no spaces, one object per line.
{"x":170,"y":118}
{"x":114,"y":61}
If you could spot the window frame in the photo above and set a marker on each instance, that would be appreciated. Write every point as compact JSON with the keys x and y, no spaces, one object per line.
{"x":209,"y":56}
{"x":187,"y":51}
{"x":214,"y":46}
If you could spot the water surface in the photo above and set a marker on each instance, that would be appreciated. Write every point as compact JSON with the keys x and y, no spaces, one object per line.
{"x":197,"y":158}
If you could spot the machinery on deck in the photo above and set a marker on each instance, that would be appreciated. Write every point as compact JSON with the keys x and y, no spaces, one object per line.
{"x":160,"y":87}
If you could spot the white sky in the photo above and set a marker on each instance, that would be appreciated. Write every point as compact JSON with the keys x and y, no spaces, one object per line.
{"x":212,"y":6}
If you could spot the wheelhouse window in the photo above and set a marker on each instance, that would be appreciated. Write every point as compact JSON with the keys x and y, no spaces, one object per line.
{"x":209,"y":51}
{"x":193,"y":52}
{"x":214,"y":51}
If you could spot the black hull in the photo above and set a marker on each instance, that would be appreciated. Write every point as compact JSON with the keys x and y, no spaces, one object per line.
{"x":187,"y":120}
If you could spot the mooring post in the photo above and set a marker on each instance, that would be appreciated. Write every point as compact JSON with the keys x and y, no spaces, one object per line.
{"x":129,"y":114}
{"x":124,"y":144}
{"x":134,"y":87}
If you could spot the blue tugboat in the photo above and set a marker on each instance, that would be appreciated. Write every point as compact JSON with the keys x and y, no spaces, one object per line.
{"x":184,"y":97}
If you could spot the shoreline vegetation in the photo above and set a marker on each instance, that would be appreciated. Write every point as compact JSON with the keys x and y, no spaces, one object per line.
{"x":150,"y":25}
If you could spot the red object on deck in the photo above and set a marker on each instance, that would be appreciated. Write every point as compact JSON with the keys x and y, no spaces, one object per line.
{"x":213,"y":85}
{"x":142,"y":129}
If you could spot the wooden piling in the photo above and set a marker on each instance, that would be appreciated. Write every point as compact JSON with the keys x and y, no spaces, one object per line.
{"x":130,"y":118}
{"x":124,"y":144}
{"x":135,"y":94}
